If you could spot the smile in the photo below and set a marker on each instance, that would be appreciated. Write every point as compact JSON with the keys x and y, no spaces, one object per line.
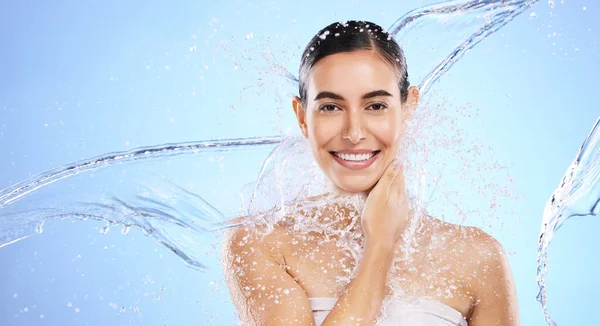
{"x":355,"y":161}
{"x":355,"y":157}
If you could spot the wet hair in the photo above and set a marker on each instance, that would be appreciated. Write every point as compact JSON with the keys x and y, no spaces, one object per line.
{"x":351,"y":36}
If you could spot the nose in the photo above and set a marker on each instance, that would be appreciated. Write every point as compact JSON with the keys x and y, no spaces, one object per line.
{"x":353,"y":130}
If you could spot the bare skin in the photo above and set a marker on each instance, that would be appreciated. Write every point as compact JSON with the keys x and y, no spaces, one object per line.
{"x":461,"y":267}
{"x":353,"y":103}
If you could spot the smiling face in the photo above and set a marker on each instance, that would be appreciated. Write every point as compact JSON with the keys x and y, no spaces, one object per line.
{"x":353,"y":119}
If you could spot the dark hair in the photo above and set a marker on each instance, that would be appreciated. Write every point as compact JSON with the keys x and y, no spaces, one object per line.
{"x":351,"y":36}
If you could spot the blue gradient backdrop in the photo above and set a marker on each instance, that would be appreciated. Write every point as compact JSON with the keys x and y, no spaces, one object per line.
{"x":81,"y":78}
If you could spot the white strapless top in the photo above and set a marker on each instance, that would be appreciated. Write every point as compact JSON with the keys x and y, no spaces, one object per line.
{"x":409,"y":311}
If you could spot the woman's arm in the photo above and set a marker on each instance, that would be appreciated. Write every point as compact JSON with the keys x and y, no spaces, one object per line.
{"x":265,"y":294}
{"x":495,"y":293}
{"x":262,"y":291}
{"x":361,"y":302}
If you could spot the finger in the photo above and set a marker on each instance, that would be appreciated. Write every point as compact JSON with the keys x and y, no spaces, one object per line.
{"x":398,"y":186}
{"x":390,"y":176}
{"x":387,"y":178}
{"x":382,"y":187}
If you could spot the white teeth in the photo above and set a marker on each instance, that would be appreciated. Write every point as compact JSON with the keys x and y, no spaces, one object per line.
{"x":354,"y":157}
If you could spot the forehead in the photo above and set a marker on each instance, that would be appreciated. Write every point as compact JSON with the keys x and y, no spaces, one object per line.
{"x":351,"y":72}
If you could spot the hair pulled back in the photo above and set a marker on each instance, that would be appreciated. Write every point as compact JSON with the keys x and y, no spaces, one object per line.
{"x":351,"y":36}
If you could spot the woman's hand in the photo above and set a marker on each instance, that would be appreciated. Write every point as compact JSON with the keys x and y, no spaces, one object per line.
{"x":385,"y":214}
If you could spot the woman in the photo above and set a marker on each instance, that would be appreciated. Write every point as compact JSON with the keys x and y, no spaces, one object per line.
{"x":352,"y":108}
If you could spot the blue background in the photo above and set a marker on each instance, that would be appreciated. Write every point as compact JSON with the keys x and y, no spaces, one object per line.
{"x":78,"y":79}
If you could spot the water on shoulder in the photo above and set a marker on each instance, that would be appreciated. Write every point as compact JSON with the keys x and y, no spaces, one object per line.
{"x":440,"y":267}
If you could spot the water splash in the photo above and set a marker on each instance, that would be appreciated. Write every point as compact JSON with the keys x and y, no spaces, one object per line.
{"x":477,"y":19}
{"x":13,"y":193}
{"x":460,"y":25}
{"x":484,"y":18}
{"x":168,"y":222}
{"x":175,"y":217}
{"x":578,"y":194}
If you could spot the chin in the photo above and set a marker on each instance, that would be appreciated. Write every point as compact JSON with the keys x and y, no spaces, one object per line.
{"x":354,"y":186}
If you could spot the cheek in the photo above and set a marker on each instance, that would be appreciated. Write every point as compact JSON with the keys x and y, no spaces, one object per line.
{"x":322,"y":130}
{"x":386,"y":130}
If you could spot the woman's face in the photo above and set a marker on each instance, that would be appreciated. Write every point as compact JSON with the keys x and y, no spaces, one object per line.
{"x":354,"y":119}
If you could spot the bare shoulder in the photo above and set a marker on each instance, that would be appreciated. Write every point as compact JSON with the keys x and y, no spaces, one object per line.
{"x":481,"y":244}
{"x":472,"y":243}
{"x":244,"y":236}
{"x":494,"y":285}
{"x":476,"y":257}
{"x":484,"y":254}
{"x":260,"y":288}
{"x":487,"y":273}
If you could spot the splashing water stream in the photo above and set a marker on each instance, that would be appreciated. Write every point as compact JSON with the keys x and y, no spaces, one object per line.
{"x":578,"y":194}
{"x":177,"y":226}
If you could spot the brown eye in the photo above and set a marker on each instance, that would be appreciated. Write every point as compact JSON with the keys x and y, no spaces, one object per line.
{"x":378,"y":106}
{"x":328,"y":108}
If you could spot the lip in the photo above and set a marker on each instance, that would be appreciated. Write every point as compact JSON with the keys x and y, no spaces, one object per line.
{"x":356,"y":165}
{"x":356,"y":151}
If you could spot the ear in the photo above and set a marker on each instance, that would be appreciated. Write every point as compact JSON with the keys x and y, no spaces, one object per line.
{"x":300,"y":115}
{"x":412,"y":101}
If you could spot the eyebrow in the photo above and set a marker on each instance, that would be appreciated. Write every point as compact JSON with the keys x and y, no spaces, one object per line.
{"x":335,"y":96}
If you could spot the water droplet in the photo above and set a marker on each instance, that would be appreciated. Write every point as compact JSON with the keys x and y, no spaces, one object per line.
{"x":39,"y":228}
{"x":532,"y":15}
{"x":125,"y":229}
{"x":104,"y":230}
{"x":324,"y":35}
